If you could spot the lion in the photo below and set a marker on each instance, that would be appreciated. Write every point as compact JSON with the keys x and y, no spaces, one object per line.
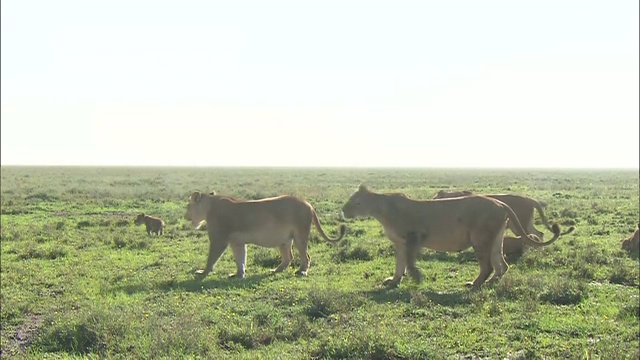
{"x":440,"y":224}
{"x":523,"y":206}
{"x":270,"y":222}
{"x":153,"y":224}
{"x":632,"y":243}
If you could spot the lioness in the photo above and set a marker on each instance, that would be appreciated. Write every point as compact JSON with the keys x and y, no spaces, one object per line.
{"x":632,"y":243}
{"x":153,"y":224}
{"x":443,"y":225}
{"x":270,"y":222}
{"x":523,"y":206}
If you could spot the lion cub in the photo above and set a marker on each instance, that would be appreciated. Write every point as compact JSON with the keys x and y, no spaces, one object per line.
{"x":632,"y":243}
{"x":153,"y":224}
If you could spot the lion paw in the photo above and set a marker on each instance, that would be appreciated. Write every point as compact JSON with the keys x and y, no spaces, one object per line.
{"x":472,"y":285}
{"x":301,"y":273}
{"x":390,"y":282}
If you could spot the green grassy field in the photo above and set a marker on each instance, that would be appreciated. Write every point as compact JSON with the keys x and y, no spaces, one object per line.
{"x":80,"y":280}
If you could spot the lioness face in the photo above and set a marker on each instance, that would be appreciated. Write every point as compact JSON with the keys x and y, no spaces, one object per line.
{"x":139,"y":219}
{"x":196,"y":210}
{"x":358,"y":205}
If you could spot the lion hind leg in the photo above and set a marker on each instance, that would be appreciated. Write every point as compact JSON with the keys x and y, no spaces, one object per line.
{"x":483,"y":247}
{"x":412,"y":249}
{"x":240,"y":257}
{"x":484,"y":260}
{"x":286,"y":255}
{"x":301,"y":242}
{"x":498,"y":262}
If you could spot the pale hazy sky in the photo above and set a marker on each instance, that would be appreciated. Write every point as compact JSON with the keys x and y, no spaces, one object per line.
{"x":329,"y":83}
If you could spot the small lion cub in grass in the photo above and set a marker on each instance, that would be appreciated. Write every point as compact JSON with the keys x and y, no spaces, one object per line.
{"x":632,"y":243}
{"x":153,"y":224}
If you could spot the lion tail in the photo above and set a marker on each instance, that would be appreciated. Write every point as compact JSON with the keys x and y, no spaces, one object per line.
{"x":530,"y":239}
{"x":316,"y":222}
{"x":539,"y":206}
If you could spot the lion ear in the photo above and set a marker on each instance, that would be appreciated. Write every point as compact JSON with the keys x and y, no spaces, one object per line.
{"x":212,"y":192}
{"x":195,"y":197}
{"x":440,"y":192}
{"x":362,"y":187}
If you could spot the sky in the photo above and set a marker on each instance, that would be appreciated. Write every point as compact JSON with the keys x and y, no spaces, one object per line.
{"x":498,"y":84}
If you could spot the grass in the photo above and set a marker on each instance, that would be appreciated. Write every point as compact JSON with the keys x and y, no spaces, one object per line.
{"x":79,"y":279}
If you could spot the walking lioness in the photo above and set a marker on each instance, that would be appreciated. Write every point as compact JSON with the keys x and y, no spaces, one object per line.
{"x":442,"y":225}
{"x":271,"y":222}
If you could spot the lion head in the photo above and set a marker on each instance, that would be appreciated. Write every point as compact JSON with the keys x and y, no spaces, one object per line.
{"x":633,"y":242}
{"x":359,"y":204}
{"x":139,"y":219}
{"x":198,"y":208}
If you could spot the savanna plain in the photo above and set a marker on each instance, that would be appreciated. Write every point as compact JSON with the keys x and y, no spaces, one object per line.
{"x":80,"y":280}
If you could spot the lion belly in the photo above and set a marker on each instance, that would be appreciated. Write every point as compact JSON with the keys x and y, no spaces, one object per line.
{"x":447,"y":243}
{"x":268,"y":238}
{"x":447,"y":239}
{"x":441,"y":240}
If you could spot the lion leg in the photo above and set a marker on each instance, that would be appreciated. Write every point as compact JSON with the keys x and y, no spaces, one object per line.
{"x":498,"y":263}
{"x":484,"y":260}
{"x":301,"y":242}
{"x":401,"y":265}
{"x":482,"y":246}
{"x":412,"y":249}
{"x":216,"y":247}
{"x":240,"y":257}
{"x":305,"y":259}
{"x":286,"y":255}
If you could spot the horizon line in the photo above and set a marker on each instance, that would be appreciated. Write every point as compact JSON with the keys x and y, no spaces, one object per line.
{"x":318,"y":167}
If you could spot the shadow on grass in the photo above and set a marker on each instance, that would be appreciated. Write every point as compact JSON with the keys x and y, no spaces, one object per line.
{"x":213,"y":282}
{"x":195,"y":284}
{"x":443,"y":256}
{"x":450,"y":299}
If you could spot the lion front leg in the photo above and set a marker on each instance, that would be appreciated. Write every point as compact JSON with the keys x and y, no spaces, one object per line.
{"x":401,"y":265}
{"x":217,"y":245}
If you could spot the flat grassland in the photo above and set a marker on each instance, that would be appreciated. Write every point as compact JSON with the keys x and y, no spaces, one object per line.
{"x":80,"y":280}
